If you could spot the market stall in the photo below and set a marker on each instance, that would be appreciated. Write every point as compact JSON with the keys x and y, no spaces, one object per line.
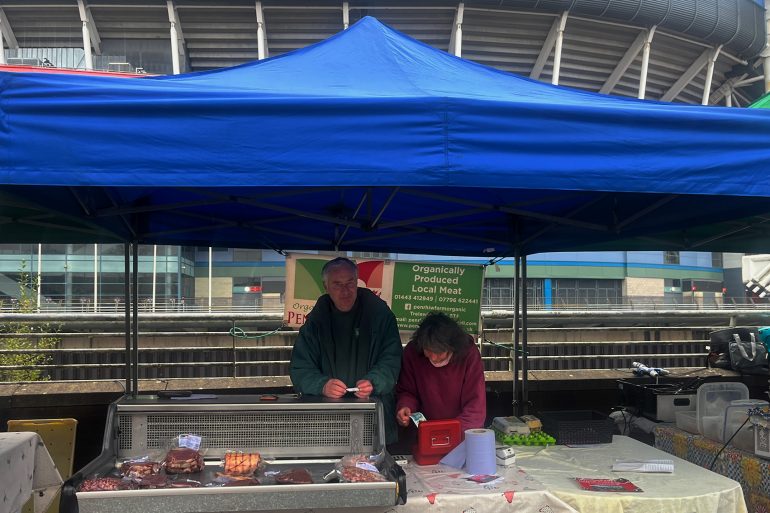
{"x":370,"y":141}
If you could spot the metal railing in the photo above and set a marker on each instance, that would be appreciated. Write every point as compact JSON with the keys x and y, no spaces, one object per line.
{"x":225,"y":305}
{"x":167,"y":354}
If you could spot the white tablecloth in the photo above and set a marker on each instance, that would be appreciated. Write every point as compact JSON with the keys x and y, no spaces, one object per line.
{"x":26,"y":467}
{"x":439,"y":488}
{"x":690,"y":489}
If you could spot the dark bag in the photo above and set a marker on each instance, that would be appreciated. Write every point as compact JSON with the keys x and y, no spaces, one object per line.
{"x":748,"y":356}
{"x":720,"y":340}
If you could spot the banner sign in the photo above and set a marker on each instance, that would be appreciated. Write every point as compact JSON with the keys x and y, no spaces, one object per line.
{"x":411,"y":289}
{"x":304,"y":283}
{"x":422,"y":287}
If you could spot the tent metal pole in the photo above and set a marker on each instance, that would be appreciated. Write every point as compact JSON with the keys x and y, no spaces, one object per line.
{"x":515,"y":350}
{"x":135,"y":324}
{"x":127,"y":305}
{"x":524,"y":352}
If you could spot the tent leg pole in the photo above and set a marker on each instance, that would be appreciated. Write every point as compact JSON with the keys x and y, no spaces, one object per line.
{"x":515,"y":351}
{"x":127,"y":311}
{"x":524,"y":352}
{"x":135,"y":325}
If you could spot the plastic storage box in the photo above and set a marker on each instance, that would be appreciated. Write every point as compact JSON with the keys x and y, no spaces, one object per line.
{"x":712,"y":402}
{"x":687,"y":421}
{"x":578,"y":427}
{"x":762,"y":440}
{"x":735,"y":416}
{"x":656,"y":401}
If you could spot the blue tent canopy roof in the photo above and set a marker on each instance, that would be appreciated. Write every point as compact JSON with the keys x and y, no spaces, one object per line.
{"x":373,"y":141}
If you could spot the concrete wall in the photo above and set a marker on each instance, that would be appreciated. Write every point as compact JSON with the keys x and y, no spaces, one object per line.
{"x":643,"y":287}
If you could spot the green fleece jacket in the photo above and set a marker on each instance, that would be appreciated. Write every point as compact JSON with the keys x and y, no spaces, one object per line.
{"x":313,"y":357}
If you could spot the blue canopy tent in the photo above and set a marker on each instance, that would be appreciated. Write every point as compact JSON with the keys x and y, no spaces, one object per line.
{"x":371,"y":140}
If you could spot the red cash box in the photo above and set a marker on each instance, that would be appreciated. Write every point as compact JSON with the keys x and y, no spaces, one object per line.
{"x":435,"y":438}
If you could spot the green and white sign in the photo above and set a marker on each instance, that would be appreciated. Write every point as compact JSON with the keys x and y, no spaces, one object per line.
{"x":421,"y":287}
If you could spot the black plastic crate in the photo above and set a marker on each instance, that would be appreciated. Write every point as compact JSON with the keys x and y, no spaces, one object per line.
{"x":578,"y":427}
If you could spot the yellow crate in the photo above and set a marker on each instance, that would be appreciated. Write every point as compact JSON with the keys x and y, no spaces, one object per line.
{"x":59,"y":438}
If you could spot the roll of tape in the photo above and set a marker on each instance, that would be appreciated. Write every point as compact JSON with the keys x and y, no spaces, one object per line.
{"x":480,"y":451}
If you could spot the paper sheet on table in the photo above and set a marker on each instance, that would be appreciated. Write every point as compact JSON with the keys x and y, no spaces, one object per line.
{"x":456,"y":457}
{"x":661,"y":466}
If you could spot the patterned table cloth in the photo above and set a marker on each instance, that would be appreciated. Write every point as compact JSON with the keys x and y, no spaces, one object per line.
{"x":752,"y":472}
{"x":26,"y":467}
{"x":690,"y":489}
{"x":444,"y":489}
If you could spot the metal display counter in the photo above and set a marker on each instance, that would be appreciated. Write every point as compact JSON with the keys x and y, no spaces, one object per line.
{"x":288,"y":431}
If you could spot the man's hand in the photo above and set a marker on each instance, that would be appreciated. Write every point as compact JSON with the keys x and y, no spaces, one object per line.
{"x":402,"y":416}
{"x":334,"y":388}
{"x":365,"y":388}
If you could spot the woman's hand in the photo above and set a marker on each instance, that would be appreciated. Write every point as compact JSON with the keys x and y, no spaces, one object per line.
{"x":402,"y":416}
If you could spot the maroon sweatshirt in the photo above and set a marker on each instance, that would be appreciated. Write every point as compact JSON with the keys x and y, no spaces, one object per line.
{"x":455,"y":391}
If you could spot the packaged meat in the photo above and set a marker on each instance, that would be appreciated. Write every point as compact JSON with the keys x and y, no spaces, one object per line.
{"x":183,"y":461}
{"x":184,"y":483}
{"x":250,"y":481}
{"x":241,"y":462}
{"x":351,"y":474}
{"x":151,"y":481}
{"x":294,"y":476}
{"x":105,"y":484}
{"x":139,"y":468}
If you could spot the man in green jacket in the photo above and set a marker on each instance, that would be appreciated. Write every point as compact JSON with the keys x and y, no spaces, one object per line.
{"x":349,"y":341}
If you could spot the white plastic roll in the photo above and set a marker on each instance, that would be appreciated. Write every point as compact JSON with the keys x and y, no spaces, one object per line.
{"x":480,"y":451}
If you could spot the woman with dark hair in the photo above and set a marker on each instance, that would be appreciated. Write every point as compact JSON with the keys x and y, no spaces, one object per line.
{"x":442,"y":375}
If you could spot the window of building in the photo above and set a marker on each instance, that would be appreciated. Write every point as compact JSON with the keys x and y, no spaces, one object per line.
{"x":499,"y":292}
{"x":671,"y":257}
{"x":584,"y":292}
{"x":717,"y":260}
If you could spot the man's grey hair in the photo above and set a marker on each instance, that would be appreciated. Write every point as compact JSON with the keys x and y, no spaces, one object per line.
{"x":337,"y":263}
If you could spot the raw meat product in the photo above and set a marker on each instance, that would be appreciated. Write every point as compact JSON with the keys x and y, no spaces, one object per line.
{"x":359,"y":475}
{"x":104,"y":484}
{"x":241,"y":462}
{"x":139,"y":468}
{"x":152,"y":481}
{"x":184,"y":483}
{"x":183,"y":461}
{"x":294,"y":476}
{"x":250,"y":481}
